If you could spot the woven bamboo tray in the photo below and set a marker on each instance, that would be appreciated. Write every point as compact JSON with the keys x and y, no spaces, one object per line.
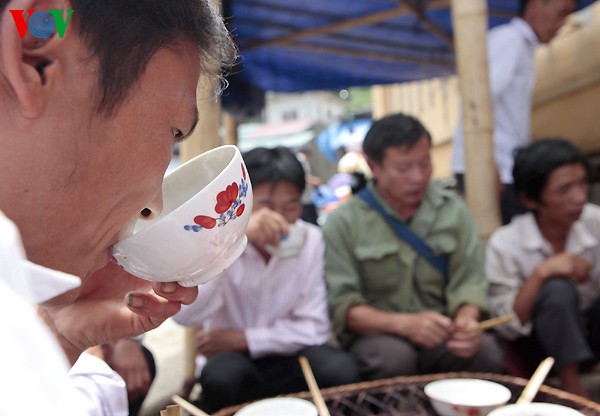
{"x":404,"y":396}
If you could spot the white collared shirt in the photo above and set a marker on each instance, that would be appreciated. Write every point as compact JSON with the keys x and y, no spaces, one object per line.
{"x":35,"y":372}
{"x":516,"y":249}
{"x":281,"y":305}
{"x":511,"y":58}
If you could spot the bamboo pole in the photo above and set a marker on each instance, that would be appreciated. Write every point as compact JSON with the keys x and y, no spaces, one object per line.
{"x":469,"y":19}
{"x":230,"y":125}
{"x":204,"y":137}
{"x":206,"y":134}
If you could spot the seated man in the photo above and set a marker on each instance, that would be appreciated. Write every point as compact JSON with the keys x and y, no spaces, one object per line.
{"x":268,"y":308}
{"x":544,"y":267}
{"x":399,"y":313}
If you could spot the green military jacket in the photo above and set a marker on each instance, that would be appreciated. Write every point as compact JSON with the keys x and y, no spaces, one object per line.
{"x":366,"y":263}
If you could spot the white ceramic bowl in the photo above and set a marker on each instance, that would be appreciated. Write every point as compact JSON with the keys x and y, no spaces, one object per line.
{"x":207,"y":203}
{"x":466,"y":396}
{"x":535,"y":409}
{"x":279,"y":406}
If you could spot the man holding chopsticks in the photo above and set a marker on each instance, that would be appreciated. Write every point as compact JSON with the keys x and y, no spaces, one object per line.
{"x":544,"y":267}
{"x":404,"y":265}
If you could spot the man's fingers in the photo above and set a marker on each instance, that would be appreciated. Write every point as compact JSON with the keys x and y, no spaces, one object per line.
{"x":175,"y":292}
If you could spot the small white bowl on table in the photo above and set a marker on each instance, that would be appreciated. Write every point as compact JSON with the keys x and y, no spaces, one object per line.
{"x":279,"y":406}
{"x":535,"y":409}
{"x":466,"y":396}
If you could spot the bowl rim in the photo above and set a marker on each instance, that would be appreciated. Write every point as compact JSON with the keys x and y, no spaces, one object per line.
{"x":259,"y":403}
{"x":178,"y":169}
{"x":535,"y":405}
{"x":504,"y":389}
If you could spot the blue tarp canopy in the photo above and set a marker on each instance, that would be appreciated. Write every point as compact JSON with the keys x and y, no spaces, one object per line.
{"x":293,"y":46}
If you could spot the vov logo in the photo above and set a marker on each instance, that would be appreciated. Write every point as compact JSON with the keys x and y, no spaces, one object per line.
{"x":41,"y":24}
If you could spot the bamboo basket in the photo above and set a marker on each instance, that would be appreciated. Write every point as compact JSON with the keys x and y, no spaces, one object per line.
{"x":404,"y":396}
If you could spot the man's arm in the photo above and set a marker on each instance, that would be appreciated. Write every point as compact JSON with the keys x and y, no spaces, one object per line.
{"x":467,"y":284}
{"x":560,"y":265}
{"x":128,"y":305}
{"x":427,"y":329}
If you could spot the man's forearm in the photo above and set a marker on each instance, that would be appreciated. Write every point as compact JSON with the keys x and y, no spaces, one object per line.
{"x":366,"y":320}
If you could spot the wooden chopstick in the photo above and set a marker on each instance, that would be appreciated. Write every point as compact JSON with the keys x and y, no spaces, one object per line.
{"x":171,"y":410}
{"x":487,"y":324}
{"x":313,"y":387}
{"x":536,"y":380}
{"x":187,"y":406}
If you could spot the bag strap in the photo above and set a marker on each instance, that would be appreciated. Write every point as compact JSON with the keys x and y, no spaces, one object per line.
{"x":406,"y":234}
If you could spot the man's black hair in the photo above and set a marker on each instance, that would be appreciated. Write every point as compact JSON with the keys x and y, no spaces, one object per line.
{"x":393,"y":130}
{"x":535,"y":163}
{"x":123,"y":35}
{"x":271,"y":165}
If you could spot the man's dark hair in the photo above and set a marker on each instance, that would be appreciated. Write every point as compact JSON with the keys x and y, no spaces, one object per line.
{"x":393,"y":130}
{"x":124,"y":35}
{"x":273,"y":165}
{"x":522,"y":7}
{"x":535,"y":163}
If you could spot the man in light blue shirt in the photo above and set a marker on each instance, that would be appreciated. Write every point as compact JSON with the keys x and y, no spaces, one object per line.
{"x":511,"y":55}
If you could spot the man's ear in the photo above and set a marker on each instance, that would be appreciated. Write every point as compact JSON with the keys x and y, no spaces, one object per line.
{"x":529,"y":203}
{"x":24,"y":60}
{"x":374,"y":167}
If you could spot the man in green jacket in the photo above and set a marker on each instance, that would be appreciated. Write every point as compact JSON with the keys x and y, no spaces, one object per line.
{"x":397,"y":309}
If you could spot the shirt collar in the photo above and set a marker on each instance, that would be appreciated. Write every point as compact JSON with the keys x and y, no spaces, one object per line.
{"x":525,"y":31}
{"x":434,"y":198}
{"x":578,"y":240}
{"x":530,"y":234}
{"x":48,"y":283}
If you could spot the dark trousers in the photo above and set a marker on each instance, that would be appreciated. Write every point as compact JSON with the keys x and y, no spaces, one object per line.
{"x":510,"y":204}
{"x":560,"y":329}
{"x":232,"y":378}
{"x":383,"y":356}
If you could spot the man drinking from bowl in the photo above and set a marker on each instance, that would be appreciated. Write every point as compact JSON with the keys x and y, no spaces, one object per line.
{"x":87,"y":125}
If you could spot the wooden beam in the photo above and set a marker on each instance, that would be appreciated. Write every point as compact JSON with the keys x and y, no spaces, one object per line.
{"x":430,"y":25}
{"x":376,"y":56}
{"x":369,"y":19}
{"x":355,"y":39}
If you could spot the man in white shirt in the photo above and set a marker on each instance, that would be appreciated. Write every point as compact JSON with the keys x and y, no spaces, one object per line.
{"x":511,"y":57}
{"x":90,"y":108}
{"x":270,"y":306}
{"x":544,"y":267}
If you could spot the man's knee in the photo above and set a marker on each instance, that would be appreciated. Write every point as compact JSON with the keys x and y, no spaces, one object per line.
{"x":490,"y":357}
{"x":385,"y":356}
{"x":332,"y":366}
{"x":558,"y":294}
